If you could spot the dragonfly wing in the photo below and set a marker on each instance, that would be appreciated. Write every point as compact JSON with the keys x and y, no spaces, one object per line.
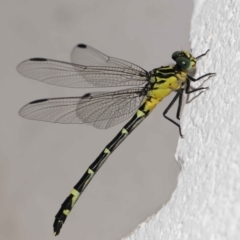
{"x":79,"y":76}
{"x":86,"y":55}
{"x":101,"y":110}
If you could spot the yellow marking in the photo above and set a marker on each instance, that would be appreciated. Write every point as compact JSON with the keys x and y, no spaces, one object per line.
{"x":76,"y":195}
{"x":140,"y":113}
{"x":160,"y":93}
{"x":171,"y":84}
{"x":182,"y":76}
{"x":90,"y":171}
{"x":152,"y":79}
{"x":75,"y":192}
{"x":137,"y":123}
{"x":66,"y":212}
{"x":187,"y":54}
{"x":173,"y":80}
{"x":106,"y":151}
{"x":124,"y":131}
{"x":151,"y":104}
{"x":165,"y":67}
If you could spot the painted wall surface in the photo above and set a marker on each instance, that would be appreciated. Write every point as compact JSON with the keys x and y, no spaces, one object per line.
{"x":206,"y":203}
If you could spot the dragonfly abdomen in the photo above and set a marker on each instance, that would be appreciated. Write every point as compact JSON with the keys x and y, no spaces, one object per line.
{"x":76,"y":192}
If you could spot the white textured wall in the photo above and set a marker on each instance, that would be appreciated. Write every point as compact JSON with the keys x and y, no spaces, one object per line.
{"x":206,"y":203}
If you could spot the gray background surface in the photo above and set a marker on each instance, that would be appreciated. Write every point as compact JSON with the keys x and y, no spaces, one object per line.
{"x":40,"y":162}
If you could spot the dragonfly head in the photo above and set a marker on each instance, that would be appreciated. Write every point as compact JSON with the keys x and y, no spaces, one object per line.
{"x":184,"y":60}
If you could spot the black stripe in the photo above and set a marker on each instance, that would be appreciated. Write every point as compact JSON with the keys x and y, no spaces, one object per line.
{"x":79,"y":186}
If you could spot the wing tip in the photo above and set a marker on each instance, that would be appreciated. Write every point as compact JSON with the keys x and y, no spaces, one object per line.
{"x":22,"y":111}
{"x":21,"y":66}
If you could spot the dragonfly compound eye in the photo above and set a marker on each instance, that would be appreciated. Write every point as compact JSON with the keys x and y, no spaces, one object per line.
{"x":183,"y":63}
{"x":175,"y":55}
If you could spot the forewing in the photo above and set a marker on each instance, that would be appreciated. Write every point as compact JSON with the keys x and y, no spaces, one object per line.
{"x":91,"y":68}
{"x":101,"y":110}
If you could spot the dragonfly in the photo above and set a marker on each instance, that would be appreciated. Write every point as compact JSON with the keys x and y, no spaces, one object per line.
{"x":90,"y":68}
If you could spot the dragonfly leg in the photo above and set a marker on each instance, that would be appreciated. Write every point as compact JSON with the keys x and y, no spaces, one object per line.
{"x":209,"y":75}
{"x":167,"y":109}
{"x":188,"y":91}
{"x":179,"y":105}
{"x":202,"y":55}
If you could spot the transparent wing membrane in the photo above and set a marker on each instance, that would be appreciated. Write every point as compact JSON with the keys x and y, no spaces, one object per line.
{"x":101,"y":110}
{"x":96,"y":70}
{"x":85,"y":55}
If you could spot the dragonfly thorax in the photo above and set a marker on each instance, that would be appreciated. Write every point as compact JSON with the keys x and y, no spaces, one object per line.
{"x":167,"y":77}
